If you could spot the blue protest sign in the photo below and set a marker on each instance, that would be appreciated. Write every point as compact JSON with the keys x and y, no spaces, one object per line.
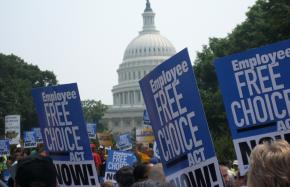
{"x":124,"y":142}
{"x":92,"y":130}
{"x":4,"y":147}
{"x":116,"y":160}
{"x":179,"y":124}
{"x":146,"y":117}
{"x":65,"y":134}
{"x":38,"y":135}
{"x":29,"y":139}
{"x":6,"y":175}
{"x":255,"y":85}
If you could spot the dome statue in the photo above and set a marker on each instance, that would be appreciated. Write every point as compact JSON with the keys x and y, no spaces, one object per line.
{"x":142,"y":54}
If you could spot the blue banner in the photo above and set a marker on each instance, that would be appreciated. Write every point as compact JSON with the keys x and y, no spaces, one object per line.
{"x":38,"y":135}
{"x":92,"y":130}
{"x":4,"y":147}
{"x":65,"y":134}
{"x":124,"y":142}
{"x":116,"y":160}
{"x":255,"y":85}
{"x":29,"y":139}
{"x":179,"y":124}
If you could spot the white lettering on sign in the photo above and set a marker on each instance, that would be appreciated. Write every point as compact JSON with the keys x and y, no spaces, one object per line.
{"x":178,"y":134}
{"x":262,"y":95}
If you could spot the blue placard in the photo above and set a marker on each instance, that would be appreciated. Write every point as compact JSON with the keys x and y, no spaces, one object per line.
{"x":256,"y":91}
{"x":92,"y":130}
{"x":4,"y":147}
{"x":29,"y":138}
{"x":65,"y":134}
{"x":38,"y":135}
{"x":146,"y":117}
{"x":124,"y":142}
{"x":116,"y":160}
{"x":179,"y":124}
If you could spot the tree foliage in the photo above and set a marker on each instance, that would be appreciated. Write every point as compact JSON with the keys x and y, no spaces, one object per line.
{"x":17,"y":78}
{"x":267,"y":22}
{"x":93,"y":112}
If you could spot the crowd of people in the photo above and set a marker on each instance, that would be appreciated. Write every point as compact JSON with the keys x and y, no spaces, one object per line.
{"x":269,"y":167}
{"x":9,"y":164}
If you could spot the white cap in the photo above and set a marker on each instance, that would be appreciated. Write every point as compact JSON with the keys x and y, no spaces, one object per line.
{"x":235,"y":162}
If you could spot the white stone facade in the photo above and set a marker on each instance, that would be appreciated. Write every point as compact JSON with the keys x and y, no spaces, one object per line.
{"x":142,"y":54}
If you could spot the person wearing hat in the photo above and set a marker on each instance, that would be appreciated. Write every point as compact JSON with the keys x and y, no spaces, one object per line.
{"x":235,"y":168}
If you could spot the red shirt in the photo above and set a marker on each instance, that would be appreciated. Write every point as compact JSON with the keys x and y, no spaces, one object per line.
{"x":97,"y":159}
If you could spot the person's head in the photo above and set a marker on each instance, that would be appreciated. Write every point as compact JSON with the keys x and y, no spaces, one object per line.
{"x":41,"y":150}
{"x":225,"y":172}
{"x":107,"y":184}
{"x":240,"y":180}
{"x":93,"y":147}
{"x":150,"y":152}
{"x":125,"y":177}
{"x":141,"y":172}
{"x":35,"y":171}
{"x":139,"y":146}
{"x":151,"y":183}
{"x":19,"y":153}
{"x":10,"y":160}
{"x":228,"y":179}
{"x":236,"y":164}
{"x":156,"y":173}
{"x":269,"y":165}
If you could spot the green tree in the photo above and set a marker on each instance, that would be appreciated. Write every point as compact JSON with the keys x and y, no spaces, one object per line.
{"x":17,"y":78}
{"x":93,"y":112}
{"x":267,"y":22}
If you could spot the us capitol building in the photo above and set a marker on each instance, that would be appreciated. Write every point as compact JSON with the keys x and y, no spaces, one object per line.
{"x":143,"y":54}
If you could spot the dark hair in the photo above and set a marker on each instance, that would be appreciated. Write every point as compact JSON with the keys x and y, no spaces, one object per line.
{"x":35,"y":171}
{"x":124,"y":176}
{"x":141,"y":172}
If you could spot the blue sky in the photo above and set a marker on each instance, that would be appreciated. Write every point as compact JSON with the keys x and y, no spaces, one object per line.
{"x":83,"y":41}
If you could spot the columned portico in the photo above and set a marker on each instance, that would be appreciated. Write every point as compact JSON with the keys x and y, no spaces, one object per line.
{"x":143,"y":54}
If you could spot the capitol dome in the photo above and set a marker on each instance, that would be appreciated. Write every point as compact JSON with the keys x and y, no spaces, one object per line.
{"x":149,"y":44}
{"x":142,"y":55}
